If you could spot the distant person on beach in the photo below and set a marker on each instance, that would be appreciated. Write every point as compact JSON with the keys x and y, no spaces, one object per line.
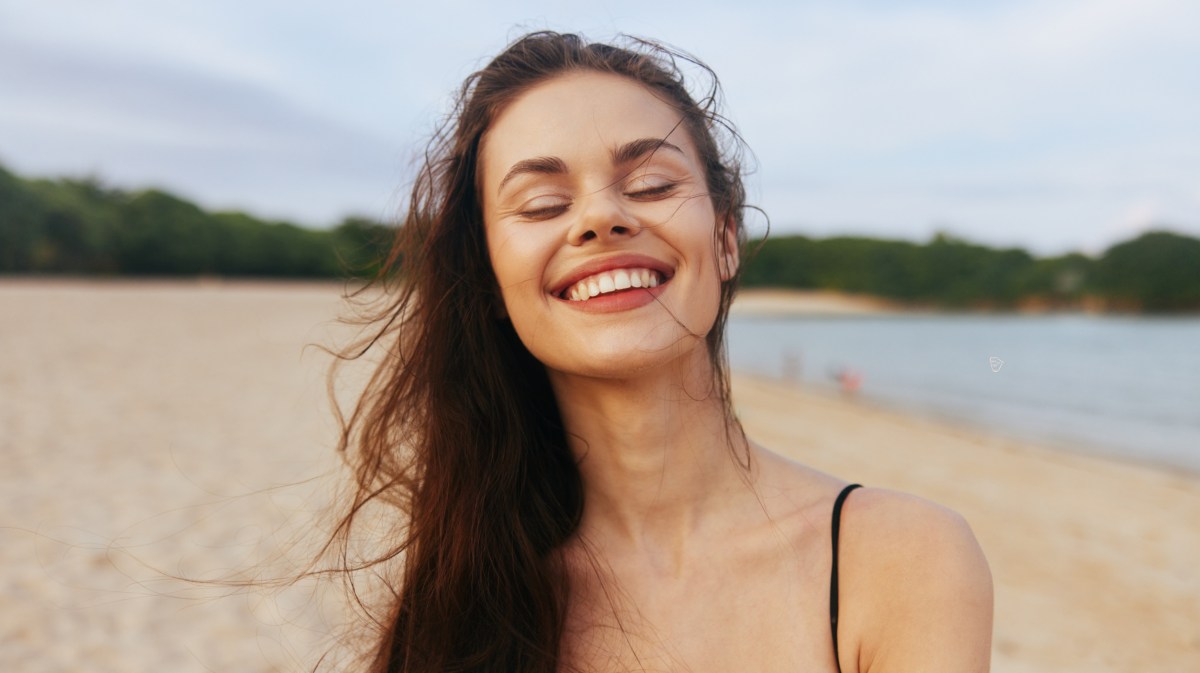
{"x":849,"y":379}
{"x":551,"y":419}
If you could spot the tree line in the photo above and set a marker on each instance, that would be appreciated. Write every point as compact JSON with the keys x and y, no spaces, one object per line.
{"x":1159,"y":271}
{"x":80,"y":226}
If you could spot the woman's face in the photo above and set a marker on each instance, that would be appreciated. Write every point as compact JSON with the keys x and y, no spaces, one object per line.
{"x":600,"y":228}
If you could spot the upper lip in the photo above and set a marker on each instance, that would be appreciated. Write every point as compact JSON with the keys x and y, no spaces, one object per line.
{"x":622,"y":261}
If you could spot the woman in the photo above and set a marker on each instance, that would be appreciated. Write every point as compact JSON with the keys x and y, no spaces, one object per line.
{"x":554,"y":419}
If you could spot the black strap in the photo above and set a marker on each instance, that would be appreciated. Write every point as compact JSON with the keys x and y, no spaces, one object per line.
{"x":833,"y":578}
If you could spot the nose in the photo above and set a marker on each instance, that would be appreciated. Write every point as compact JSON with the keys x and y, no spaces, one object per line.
{"x":602,"y":216}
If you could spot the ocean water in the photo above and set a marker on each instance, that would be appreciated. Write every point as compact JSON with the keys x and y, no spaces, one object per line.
{"x":1124,"y":386}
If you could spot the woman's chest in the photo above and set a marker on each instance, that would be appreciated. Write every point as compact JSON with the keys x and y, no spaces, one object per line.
{"x":724,"y":619}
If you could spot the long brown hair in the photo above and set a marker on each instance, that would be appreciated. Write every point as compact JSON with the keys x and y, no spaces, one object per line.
{"x":458,"y":426}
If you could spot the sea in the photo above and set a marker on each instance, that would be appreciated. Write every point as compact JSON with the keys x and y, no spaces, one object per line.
{"x":1125,"y":387}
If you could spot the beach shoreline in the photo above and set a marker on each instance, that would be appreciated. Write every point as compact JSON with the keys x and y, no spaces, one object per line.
{"x":164,"y":421}
{"x":768,"y":302}
{"x":1061,"y":446}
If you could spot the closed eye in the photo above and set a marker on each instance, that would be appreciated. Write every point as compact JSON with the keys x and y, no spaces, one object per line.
{"x":544,"y":213}
{"x":544,"y":207}
{"x":652,"y":192}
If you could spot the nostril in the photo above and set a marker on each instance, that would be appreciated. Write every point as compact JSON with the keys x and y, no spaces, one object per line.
{"x":589,"y":235}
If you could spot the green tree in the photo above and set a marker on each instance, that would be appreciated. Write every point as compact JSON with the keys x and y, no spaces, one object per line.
{"x":1157,"y":271}
{"x":361,"y":245}
{"x":21,"y":216}
{"x":161,"y":234}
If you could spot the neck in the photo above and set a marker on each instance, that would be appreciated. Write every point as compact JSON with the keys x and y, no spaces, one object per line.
{"x":658,"y":455}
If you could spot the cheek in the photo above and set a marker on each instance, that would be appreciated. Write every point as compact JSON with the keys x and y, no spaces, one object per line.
{"x":700,"y":233}
{"x":518,"y":263}
{"x":500,"y":251}
{"x":501,"y":269}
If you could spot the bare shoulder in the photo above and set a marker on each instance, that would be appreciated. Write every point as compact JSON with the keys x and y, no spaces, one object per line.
{"x":916,"y":586}
{"x":910,"y":526}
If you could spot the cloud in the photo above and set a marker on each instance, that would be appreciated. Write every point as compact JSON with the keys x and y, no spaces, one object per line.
{"x":1028,"y":122}
{"x":224,"y":140}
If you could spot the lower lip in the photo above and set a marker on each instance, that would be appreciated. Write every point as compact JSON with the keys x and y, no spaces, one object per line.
{"x":618,"y":301}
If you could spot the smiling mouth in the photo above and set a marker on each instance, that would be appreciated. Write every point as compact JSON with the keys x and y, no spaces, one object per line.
{"x":612,"y":281}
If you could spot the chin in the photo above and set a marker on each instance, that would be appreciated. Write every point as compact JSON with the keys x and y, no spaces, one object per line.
{"x":621,"y":360}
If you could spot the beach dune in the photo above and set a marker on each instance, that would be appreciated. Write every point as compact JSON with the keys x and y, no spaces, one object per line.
{"x":160,"y":429}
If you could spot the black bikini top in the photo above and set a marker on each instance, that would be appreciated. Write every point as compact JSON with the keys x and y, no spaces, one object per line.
{"x":833,"y":578}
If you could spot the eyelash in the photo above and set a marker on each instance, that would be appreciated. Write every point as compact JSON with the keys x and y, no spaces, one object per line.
{"x":660,"y":190}
{"x":544,"y":213}
{"x":642,"y":194}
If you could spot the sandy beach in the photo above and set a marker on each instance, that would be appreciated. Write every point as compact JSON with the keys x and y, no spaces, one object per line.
{"x":773,"y":302}
{"x":182,"y":428}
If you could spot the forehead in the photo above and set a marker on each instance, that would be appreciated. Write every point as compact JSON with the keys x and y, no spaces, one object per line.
{"x":575,"y":115}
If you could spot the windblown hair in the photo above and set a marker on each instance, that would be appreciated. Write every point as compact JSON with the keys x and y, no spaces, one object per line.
{"x":458,"y":426}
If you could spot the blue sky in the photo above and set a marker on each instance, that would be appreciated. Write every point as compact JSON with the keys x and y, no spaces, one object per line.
{"x":1053,"y":125}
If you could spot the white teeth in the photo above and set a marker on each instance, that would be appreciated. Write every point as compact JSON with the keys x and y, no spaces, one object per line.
{"x":611,"y":281}
{"x":621,"y":279}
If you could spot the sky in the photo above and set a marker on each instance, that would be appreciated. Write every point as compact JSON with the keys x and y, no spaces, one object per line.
{"x":1052,"y":125}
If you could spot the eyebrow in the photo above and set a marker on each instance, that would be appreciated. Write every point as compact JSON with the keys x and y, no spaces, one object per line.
{"x":542,"y":165}
{"x":636,"y":149}
{"x":630,"y":151}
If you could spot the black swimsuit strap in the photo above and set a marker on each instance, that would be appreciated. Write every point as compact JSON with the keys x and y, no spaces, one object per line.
{"x":833,"y":578}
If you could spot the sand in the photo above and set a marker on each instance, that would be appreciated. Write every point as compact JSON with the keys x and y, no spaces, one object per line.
{"x":773,"y":302}
{"x":148,"y":425}
{"x":171,"y":427}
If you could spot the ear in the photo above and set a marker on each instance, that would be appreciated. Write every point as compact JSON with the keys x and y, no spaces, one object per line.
{"x":729,"y":255}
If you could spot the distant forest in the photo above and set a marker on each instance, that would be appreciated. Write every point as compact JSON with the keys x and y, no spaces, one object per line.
{"x":82,"y":227}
